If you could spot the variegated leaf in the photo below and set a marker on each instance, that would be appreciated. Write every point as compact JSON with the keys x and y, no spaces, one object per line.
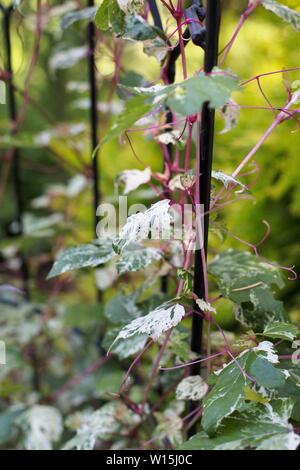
{"x":155,"y":323}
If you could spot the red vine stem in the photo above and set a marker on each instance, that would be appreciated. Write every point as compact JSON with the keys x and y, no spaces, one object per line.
{"x":278,"y":120}
{"x":243,"y":18}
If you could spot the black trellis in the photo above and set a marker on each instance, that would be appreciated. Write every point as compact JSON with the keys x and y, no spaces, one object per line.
{"x":208,"y":38}
{"x":16,"y":159}
{"x":91,"y":40}
{"x":94,"y":121}
{"x":213,"y":19}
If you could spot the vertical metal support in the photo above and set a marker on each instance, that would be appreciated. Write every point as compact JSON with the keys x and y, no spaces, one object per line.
{"x":91,"y":39}
{"x":213,"y":19}
{"x":155,"y":14}
{"x":12,"y":109}
{"x":213,"y":16}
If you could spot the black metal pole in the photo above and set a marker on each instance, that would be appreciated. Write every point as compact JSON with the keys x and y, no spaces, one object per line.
{"x":91,"y":39}
{"x":12,"y":109}
{"x":213,"y":17}
{"x":155,"y":14}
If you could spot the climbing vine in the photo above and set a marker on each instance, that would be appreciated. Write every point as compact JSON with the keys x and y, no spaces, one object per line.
{"x":186,"y":383}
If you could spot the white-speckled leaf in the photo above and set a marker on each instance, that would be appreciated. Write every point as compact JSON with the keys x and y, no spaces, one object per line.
{"x":228,"y":393}
{"x":187,"y":97}
{"x":156,"y":47}
{"x":205,"y":306}
{"x":192,"y":388}
{"x":156,"y":220}
{"x":226,"y":396}
{"x":170,"y":137}
{"x":281,"y":330}
{"x":155,"y":323}
{"x":42,"y":426}
{"x":105,"y":277}
{"x":82,"y":256}
{"x":268,"y":348}
{"x":226,"y":180}
{"x":72,"y":17}
{"x":100,"y":424}
{"x":66,"y":58}
{"x":285,"y":13}
{"x":260,"y":427}
{"x":133,"y":179}
{"x":230,"y":113}
{"x":135,"y":257}
{"x":175,"y":183}
{"x":131,"y":7}
{"x":128,"y":347}
{"x":247,"y":280}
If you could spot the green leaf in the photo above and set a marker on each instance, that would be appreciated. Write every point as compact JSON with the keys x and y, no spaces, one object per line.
{"x":226,"y":396}
{"x":135,"y":257}
{"x":177,"y":347}
{"x":110,"y":17}
{"x":102,"y":15}
{"x":22,"y":140}
{"x":83,"y":316}
{"x":291,"y":387}
{"x":135,"y":109}
{"x":284,"y":12}
{"x":2,"y":92}
{"x":228,"y":393}
{"x":252,"y":395}
{"x":281,"y":330}
{"x":187,"y":279}
{"x":108,"y":382}
{"x":121,"y":309}
{"x":137,"y":29}
{"x":260,"y":308}
{"x":126,"y":347}
{"x":184,"y":98}
{"x":247,"y":280}
{"x":8,"y":420}
{"x":266,"y":374}
{"x":82,"y":256}
{"x":187,"y":97}
{"x":130,"y":78}
{"x":79,"y":15}
{"x":260,"y":427}
{"x":156,"y":47}
{"x":237,"y":269}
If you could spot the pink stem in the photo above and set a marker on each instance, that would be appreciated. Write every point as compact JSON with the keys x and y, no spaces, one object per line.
{"x":241,"y":22}
{"x":187,"y":364}
{"x":279,"y":118}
